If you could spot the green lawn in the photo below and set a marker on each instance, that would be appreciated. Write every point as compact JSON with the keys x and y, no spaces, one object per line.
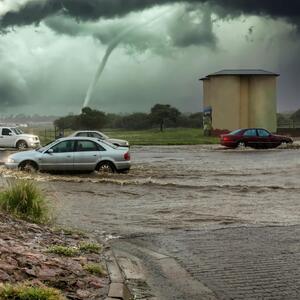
{"x":177,"y":136}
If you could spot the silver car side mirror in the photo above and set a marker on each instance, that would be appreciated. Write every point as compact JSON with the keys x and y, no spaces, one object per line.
{"x":50,"y":151}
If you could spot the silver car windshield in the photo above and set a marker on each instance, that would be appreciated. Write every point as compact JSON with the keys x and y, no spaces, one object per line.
{"x":44,"y":148}
{"x":17,"y":131}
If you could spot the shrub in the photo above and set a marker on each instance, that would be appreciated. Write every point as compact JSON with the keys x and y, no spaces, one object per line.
{"x":63,"y":250}
{"x":24,"y":200}
{"x":95,"y":269}
{"x":90,"y":247}
{"x":25,"y":291}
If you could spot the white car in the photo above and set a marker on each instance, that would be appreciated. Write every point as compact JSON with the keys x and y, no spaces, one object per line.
{"x":101,"y":136}
{"x":13,"y":137}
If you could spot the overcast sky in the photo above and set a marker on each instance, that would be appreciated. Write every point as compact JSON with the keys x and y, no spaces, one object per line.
{"x":50,"y":51}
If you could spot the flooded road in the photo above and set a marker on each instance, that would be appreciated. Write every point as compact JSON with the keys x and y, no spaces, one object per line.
{"x":180,"y":187}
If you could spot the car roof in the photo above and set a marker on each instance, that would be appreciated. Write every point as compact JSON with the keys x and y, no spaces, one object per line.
{"x":250,"y":128}
{"x":77,"y":138}
{"x":86,"y":131}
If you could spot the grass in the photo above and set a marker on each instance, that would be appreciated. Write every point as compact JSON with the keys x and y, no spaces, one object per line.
{"x":95,"y":269}
{"x":173,"y":136}
{"x":176,"y":136}
{"x":63,"y":251}
{"x":26,"y":291}
{"x":90,"y":247}
{"x":69,"y":231}
{"x":24,"y":200}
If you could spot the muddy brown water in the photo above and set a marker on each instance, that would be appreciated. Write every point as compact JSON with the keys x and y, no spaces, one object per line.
{"x":178,"y":187}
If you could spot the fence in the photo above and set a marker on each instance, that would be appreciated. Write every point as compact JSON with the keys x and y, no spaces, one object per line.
{"x":289,"y":124}
{"x":290,"y":127}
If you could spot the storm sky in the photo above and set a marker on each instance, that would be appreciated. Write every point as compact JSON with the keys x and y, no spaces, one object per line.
{"x":50,"y":51}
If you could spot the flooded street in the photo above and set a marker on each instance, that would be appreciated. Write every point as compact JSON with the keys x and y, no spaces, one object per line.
{"x":181,"y":187}
{"x":228,"y":221}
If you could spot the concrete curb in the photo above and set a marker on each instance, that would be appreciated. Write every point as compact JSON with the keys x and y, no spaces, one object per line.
{"x":118,"y":288}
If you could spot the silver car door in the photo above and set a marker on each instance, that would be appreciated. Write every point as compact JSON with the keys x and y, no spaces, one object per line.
{"x":87,"y":155}
{"x":60,"y":157}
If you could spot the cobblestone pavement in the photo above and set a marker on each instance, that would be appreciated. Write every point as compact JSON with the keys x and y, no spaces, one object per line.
{"x":237,"y":263}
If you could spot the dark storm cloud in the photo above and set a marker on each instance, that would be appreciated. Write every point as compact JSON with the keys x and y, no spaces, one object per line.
{"x":13,"y":87}
{"x":36,"y":10}
{"x":185,"y":29}
{"x":183,"y":26}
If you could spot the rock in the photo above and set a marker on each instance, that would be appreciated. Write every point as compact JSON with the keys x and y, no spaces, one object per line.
{"x":96,"y":283}
{"x":12,"y":261}
{"x":7,"y":267}
{"x":81,"y":284}
{"x":30,"y":272}
{"x":48,"y":274}
{"x":83,"y":294}
{"x":4,"y":276}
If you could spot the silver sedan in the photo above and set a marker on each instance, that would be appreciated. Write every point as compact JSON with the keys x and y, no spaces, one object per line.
{"x":73,"y":154}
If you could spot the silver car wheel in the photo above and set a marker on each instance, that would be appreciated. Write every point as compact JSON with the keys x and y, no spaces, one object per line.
{"x":28,"y":167}
{"x":105,"y":168}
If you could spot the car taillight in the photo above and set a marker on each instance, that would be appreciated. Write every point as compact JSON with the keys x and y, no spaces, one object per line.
{"x":226,"y":138}
{"x":127,"y":156}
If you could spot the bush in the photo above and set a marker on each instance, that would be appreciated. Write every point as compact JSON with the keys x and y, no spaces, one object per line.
{"x":63,"y":251}
{"x":26,"y":291}
{"x":95,"y":269}
{"x":24,"y":200}
{"x":90,"y":247}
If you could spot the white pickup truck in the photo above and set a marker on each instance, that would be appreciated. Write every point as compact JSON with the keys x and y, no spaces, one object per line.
{"x":13,"y":137}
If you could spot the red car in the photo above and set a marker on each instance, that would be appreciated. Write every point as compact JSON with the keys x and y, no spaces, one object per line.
{"x":257,"y":138}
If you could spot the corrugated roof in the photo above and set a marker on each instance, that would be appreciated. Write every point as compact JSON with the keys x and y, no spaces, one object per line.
{"x":241,"y":72}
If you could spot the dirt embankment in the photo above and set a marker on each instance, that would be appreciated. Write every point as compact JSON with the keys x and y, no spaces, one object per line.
{"x":25,"y":256}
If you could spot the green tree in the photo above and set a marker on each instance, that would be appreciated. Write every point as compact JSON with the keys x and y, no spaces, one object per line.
{"x":161,"y":113}
{"x":296,"y":116}
{"x":196,"y":120}
{"x":68,"y":122}
{"x":91,"y":119}
{"x":136,"y":121}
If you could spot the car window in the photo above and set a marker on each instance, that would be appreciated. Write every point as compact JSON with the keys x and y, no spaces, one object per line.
{"x":6,"y":131}
{"x":250,"y":132}
{"x":96,"y":135}
{"x":17,"y":131}
{"x":263,"y":133}
{"x":88,"y":146}
{"x":82,"y":134}
{"x":63,"y":147}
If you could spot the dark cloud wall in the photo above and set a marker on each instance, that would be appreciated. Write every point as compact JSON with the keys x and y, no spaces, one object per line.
{"x":36,"y":10}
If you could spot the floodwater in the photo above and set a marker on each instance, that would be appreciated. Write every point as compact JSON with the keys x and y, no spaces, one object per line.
{"x":179,"y":187}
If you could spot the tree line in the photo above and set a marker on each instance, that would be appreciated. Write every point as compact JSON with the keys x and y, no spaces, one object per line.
{"x":292,"y":118}
{"x":160,"y":116}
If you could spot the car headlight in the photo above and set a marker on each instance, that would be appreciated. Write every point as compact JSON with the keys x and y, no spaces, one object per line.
{"x":31,"y":140}
{"x":10,"y":160}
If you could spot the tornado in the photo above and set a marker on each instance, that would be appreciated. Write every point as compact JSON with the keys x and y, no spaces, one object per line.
{"x":111,"y":47}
